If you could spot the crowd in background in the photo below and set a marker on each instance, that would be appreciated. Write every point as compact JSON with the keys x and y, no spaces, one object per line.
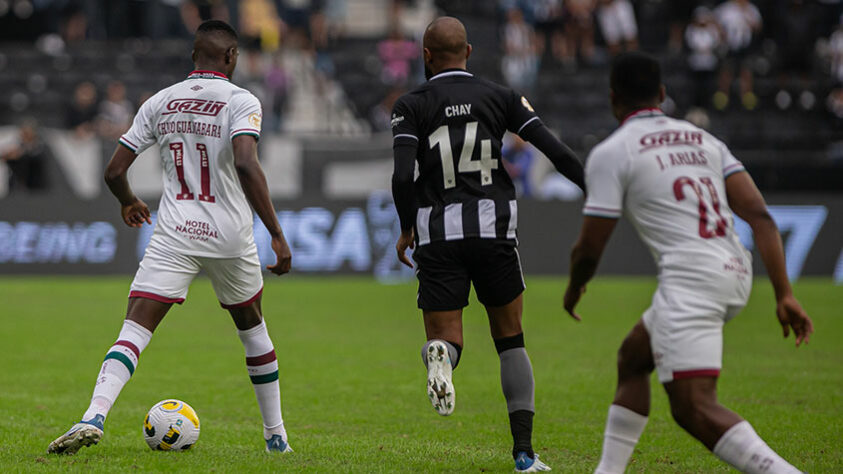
{"x":722,"y":46}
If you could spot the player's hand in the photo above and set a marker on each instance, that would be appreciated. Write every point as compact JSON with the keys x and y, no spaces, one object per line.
{"x":283,"y":256}
{"x":407,"y":239}
{"x":135,"y":213}
{"x":572,"y":297}
{"x":792,"y":316}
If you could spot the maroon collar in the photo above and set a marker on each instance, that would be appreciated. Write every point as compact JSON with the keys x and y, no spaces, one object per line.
{"x":202,"y":74}
{"x":648,"y":112}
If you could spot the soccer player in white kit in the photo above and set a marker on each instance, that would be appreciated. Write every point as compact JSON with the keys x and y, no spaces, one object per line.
{"x":207,"y":130}
{"x":678,"y":185}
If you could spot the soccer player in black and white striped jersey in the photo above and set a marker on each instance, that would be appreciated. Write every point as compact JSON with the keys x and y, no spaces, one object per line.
{"x":461,"y":216}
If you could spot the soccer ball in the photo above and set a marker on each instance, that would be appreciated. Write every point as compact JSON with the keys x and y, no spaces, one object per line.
{"x":171,"y":425}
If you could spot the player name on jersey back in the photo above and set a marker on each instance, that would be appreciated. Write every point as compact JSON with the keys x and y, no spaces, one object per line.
{"x":668,"y":177}
{"x":203,"y":210}
{"x":457,"y":122}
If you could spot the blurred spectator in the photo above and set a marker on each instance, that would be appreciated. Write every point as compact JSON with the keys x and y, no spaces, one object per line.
{"x":82,"y":113}
{"x":380,"y":117}
{"x":835,"y":44}
{"x":74,"y":26}
{"x":164,"y":20}
{"x":296,"y":14}
{"x":679,"y":15}
{"x":741,"y":22}
{"x":520,"y":60}
{"x":115,"y":112}
{"x":518,"y":157}
{"x":336,"y":12}
{"x":550,"y":28}
{"x":834,"y":103}
{"x":277,"y":85}
{"x":703,"y":38}
{"x":617,"y":24}
{"x":27,"y":159}
{"x":396,"y":54}
{"x":260,"y":26}
{"x":579,"y":28}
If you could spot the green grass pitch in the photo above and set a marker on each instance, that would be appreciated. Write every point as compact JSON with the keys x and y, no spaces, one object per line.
{"x":353,"y":383}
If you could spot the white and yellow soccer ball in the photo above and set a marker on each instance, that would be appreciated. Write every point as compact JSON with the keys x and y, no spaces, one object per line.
{"x":171,"y":425}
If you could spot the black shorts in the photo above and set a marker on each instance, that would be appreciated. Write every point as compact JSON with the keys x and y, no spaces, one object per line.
{"x":446,"y":270}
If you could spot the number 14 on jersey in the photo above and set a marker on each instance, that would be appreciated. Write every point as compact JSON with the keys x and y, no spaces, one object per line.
{"x":441,"y":137}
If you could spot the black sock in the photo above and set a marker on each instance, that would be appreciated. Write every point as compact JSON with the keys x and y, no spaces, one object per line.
{"x":521,"y":425}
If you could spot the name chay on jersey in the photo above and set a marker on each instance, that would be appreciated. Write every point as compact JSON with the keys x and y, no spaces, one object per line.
{"x":203,"y":210}
{"x":668,"y":177}
{"x":457,"y":121}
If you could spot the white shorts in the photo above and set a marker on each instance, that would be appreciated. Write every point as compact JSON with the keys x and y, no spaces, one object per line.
{"x":164,"y":275}
{"x":686,"y":332}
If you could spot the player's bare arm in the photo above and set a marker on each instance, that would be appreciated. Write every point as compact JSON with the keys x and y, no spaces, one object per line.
{"x":404,"y":195}
{"x":746,"y":201}
{"x":585,"y":256}
{"x":134,"y":211}
{"x":561,"y":155}
{"x":253,"y":181}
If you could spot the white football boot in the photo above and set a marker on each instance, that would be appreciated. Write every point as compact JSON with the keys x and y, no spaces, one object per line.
{"x":84,"y":433}
{"x":524,"y":463}
{"x":440,"y":389}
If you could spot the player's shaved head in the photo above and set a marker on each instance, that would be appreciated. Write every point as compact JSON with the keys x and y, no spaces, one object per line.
{"x":215,"y":47}
{"x":445,"y":44}
{"x":445,"y":35}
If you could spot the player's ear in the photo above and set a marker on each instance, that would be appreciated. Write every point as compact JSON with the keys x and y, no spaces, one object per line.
{"x":662,"y":93}
{"x":468,"y":50}
{"x":193,"y":55}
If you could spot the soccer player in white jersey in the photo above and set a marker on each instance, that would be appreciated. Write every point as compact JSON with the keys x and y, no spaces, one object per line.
{"x":678,"y":185}
{"x":207,"y":130}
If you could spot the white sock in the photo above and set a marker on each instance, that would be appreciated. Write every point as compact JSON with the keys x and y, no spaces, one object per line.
{"x":120,"y":363}
{"x":623,"y":428}
{"x":263,"y":371}
{"x":741,"y":447}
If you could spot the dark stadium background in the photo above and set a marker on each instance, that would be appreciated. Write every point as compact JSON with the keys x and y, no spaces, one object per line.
{"x":73,"y":72}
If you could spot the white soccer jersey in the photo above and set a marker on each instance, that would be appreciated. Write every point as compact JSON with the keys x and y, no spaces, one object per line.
{"x":203,"y":210}
{"x":668,"y":178}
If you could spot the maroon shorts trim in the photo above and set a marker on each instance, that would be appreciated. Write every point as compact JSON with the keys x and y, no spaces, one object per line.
{"x":243,"y":304}
{"x":154,"y":297}
{"x":687,"y":374}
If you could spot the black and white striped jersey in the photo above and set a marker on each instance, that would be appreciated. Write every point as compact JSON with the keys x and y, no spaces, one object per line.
{"x":457,"y":122}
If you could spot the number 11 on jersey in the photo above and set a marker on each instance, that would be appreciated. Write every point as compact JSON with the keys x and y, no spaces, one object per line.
{"x":204,"y":167}
{"x":441,"y":137}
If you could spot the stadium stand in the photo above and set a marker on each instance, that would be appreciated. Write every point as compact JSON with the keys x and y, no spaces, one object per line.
{"x":790,"y":137}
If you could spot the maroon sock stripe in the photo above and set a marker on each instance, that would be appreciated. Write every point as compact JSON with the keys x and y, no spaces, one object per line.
{"x":131,"y":347}
{"x":261,"y":359}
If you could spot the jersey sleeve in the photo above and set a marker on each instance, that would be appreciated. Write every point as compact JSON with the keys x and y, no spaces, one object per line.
{"x":731,"y":165}
{"x":404,"y":124}
{"x":140,"y":135}
{"x":520,"y":115}
{"x":605,"y":183}
{"x":246,"y":116}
